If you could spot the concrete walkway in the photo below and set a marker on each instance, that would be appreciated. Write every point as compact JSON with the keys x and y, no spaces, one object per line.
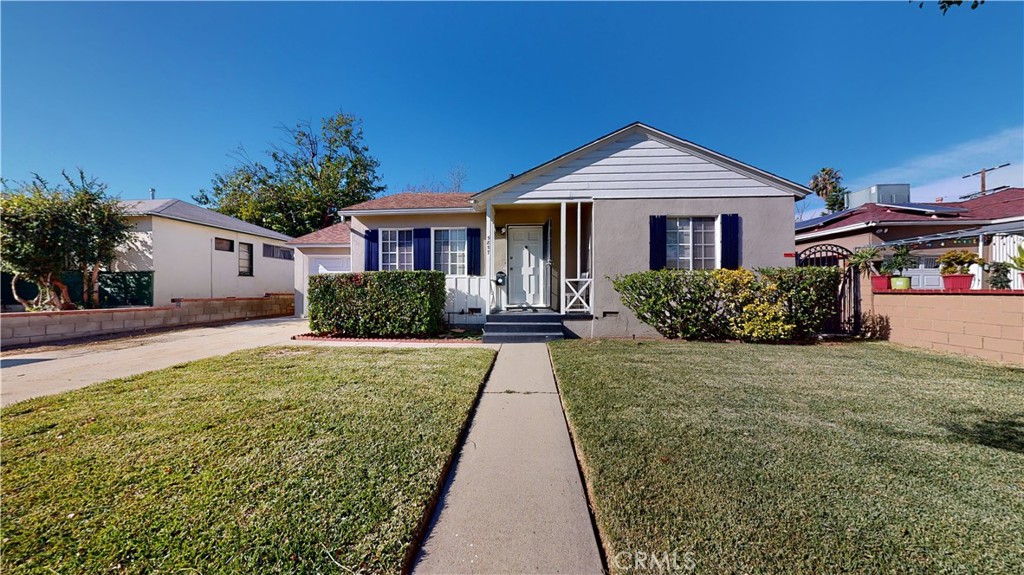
{"x":32,"y":374}
{"x":514,"y":503}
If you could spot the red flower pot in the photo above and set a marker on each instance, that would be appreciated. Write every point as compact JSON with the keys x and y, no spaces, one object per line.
{"x":880,"y":282}
{"x":957,"y":281}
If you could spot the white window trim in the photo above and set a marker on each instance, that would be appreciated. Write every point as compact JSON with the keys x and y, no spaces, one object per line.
{"x":432,"y":250}
{"x":380,"y":247}
{"x":718,"y":236}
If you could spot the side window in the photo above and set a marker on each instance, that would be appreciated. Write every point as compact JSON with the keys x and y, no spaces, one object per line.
{"x":690,"y":244}
{"x":244,"y":259}
{"x":223,"y":245}
{"x":277,"y":252}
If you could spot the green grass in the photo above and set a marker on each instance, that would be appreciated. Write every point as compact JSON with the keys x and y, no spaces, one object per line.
{"x":275,"y":460}
{"x":860,"y":457}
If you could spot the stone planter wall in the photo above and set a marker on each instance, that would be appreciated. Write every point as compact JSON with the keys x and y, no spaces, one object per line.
{"x":41,"y":327}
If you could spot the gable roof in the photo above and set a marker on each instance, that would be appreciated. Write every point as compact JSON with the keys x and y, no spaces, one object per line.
{"x":701,"y":152}
{"x":338,"y":234}
{"x":176,"y":209}
{"x":1008,"y":203}
{"x":414,"y":201}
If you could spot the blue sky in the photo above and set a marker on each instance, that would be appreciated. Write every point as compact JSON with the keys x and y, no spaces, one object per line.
{"x":159,"y":94}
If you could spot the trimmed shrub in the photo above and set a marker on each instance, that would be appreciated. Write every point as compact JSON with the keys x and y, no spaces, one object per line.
{"x":377,"y":304}
{"x":810,"y":294}
{"x":775,"y":305}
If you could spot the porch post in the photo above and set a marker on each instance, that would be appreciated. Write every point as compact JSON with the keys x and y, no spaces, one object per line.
{"x":579,"y":222}
{"x":561,"y":261}
{"x":492,"y":290}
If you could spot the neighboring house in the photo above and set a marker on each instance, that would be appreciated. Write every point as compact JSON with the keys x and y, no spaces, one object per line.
{"x":324,"y":251}
{"x":554,"y":236}
{"x":996,"y":219}
{"x":198,"y":253}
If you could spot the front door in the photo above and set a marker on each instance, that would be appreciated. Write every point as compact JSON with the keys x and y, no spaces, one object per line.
{"x":526,"y":285}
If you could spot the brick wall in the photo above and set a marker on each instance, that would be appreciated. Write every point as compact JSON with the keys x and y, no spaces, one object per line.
{"x":983,"y":323}
{"x":39,"y":327}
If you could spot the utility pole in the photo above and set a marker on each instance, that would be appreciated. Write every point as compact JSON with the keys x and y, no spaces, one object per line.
{"x":982,"y":173}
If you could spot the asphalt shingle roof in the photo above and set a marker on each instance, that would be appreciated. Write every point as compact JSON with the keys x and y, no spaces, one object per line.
{"x":336,"y":234}
{"x":179,"y":210}
{"x":415,"y":201}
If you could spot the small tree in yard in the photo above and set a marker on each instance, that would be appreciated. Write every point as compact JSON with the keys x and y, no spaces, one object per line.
{"x":47,"y":230}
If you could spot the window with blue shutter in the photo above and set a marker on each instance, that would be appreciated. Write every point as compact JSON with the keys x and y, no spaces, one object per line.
{"x":421,"y":249}
{"x":658,"y":231}
{"x":473,"y":247}
{"x":371,"y":254}
{"x":731,"y":244}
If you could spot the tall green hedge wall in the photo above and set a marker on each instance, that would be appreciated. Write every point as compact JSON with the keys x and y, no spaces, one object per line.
{"x":775,"y":304}
{"x":377,"y":304}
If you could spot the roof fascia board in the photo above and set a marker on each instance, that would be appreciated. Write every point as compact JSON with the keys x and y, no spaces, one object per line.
{"x":215,"y":226}
{"x":409,"y":211}
{"x":320,"y":245}
{"x":823,"y":233}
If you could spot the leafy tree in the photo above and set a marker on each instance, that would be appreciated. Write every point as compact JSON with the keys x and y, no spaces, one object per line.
{"x":828,"y":185}
{"x":47,"y":230}
{"x":314,"y":173}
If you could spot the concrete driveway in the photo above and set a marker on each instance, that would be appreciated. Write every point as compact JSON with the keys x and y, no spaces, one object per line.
{"x":32,"y":374}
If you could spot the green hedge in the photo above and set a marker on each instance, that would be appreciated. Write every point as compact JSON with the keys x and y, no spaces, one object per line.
{"x":377,"y":304}
{"x":777,"y":304}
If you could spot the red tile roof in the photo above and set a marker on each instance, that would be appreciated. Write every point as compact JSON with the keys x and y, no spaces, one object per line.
{"x":336,"y":234}
{"x":415,"y":201}
{"x":1002,"y":204}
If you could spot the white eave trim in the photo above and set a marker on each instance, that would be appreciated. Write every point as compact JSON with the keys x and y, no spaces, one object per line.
{"x":812,"y":235}
{"x":409,"y":211}
{"x":883,"y":224}
{"x":300,"y":246}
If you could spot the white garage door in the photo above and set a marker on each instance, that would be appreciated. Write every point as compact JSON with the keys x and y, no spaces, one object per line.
{"x":330,"y":264}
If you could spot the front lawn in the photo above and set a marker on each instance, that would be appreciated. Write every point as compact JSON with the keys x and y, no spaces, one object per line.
{"x":819,"y":459}
{"x":294,"y":460}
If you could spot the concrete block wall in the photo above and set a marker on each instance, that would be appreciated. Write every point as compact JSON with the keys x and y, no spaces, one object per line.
{"x":984,"y":323}
{"x":42,"y":327}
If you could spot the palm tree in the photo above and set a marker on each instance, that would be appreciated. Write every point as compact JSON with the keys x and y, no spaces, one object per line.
{"x":828,"y":185}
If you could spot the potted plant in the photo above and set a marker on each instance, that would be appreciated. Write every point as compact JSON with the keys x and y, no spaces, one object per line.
{"x":899,"y":261}
{"x":999,"y":275}
{"x":955,"y":267}
{"x":1017,"y":262}
{"x":864,"y":258}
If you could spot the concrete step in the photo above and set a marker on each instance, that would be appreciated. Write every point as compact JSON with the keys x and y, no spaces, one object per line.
{"x":521,"y":337}
{"x":525,"y":317}
{"x":522,"y":327}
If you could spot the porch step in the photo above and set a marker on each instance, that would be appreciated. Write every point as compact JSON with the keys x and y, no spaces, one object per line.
{"x":523,"y":327}
{"x":521,"y":337}
{"x":495,"y":327}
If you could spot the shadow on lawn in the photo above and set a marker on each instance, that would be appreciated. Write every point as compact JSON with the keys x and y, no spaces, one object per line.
{"x":1001,"y":433}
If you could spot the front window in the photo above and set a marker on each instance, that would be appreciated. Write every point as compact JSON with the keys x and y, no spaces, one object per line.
{"x":691,"y":244}
{"x":396,"y":250}
{"x":450,"y":251}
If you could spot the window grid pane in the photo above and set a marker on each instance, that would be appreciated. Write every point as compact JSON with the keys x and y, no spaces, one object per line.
{"x":690,"y":244}
{"x":396,"y":250}
{"x":450,"y":251}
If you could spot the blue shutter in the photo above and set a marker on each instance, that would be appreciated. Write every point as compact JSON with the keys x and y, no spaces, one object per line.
{"x":730,"y":241}
{"x":372,"y":251}
{"x":659,"y":227}
{"x":421,"y":249}
{"x":473,"y":251}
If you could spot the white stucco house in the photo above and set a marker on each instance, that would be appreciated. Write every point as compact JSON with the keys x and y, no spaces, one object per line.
{"x":198,"y":253}
{"x":550,"y":239}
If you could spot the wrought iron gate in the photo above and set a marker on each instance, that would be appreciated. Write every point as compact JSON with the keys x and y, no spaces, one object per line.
{"x":847,"y":317}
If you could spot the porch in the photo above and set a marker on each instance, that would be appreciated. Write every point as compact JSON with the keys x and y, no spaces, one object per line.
{"x":539,"y":256}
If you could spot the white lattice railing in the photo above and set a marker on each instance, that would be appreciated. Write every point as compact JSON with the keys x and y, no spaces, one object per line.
{"x":578,"y":295}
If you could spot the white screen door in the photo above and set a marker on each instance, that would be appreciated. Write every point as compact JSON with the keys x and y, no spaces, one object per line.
{"x":526,"y":266}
